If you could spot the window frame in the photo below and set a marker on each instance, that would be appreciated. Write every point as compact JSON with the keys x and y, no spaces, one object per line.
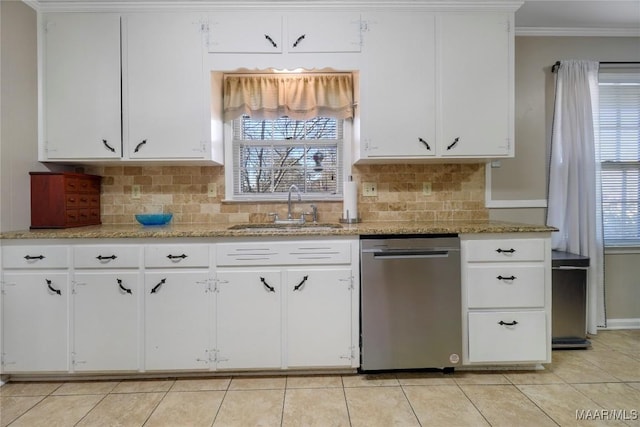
{"x":231,"y":173}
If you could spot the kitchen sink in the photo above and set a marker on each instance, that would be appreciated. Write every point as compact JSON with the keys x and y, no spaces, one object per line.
{"x":270,"y":226}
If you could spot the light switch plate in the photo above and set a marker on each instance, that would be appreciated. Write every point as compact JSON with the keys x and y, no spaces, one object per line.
{"x":135,"y":191}
{"x":369,"y":189}
{"x":426,"y":188}
{"x":212,"y":190}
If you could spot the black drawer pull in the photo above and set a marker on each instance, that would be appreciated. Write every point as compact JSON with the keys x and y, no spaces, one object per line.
{"x":102,"y":258}
{"x":507,"y":323}
{"x":299,"y":285}
{"x":453,"y":144}
{"x":51,"y":288}
{"x":183,"y":256}
{"x":156,"y":287}
{"x":29,"y":257}
{"x":122,"y":287}
{"x":426,"y":144}
{"x":108,"y":147}
{"x":506,"y":277}
{"x":298,"y":40}
{"x":135,"y":150}
{"x":264,"y":282}
{"x":505,"y":251}
{"x":266,"y":36}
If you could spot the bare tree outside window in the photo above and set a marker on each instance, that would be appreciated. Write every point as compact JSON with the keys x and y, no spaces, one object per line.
{"x":273,"y":154}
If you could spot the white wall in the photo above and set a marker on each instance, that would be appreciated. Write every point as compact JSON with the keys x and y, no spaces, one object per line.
{"x":18,"y":112}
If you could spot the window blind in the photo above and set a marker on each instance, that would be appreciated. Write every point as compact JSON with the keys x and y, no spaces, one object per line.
{"x":619,"y":154}
{"x":270,"y":155}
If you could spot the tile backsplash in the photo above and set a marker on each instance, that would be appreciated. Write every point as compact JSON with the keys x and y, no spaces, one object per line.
{"x":457,"y":194}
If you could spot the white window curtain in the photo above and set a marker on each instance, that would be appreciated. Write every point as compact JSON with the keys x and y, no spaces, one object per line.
{"x":573,"y":177}
{"x":297,"y":96}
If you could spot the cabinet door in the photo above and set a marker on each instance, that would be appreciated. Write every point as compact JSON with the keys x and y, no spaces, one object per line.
{"x":178,"y":319}
{"x":319,"y":317}
{"x":34,"y":322}
{"x":244,"y":32}
{"x":397,"y":95}
{"x":81,"y":87}
{"x":310,"y":32}
{"x":105,"y":321}
{"x":164,"y":88}
{"x":476,"y":76}
{"x":248,"y":319}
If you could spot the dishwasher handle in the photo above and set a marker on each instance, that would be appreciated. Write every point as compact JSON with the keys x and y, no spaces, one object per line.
{"x":410,"y":254}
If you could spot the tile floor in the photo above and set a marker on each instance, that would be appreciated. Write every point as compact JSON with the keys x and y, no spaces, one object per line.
{"x":604,"y":378}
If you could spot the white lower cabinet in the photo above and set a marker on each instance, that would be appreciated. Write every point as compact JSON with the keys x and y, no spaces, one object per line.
{"x":288,"y":318}
{"x":248,"y":319}
{"x":178,"y":320}
{"x":35,"y":322}
{"x":506,"y":298}
{"x":319,"y":317}
{"x":287,"y":304}
{"x":142,"y":306}
{"x":105,"y":321}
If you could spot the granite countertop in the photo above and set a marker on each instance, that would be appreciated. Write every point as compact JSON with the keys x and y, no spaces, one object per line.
{"x":222,"y":230}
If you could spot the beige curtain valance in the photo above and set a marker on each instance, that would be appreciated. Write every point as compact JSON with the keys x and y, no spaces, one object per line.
{"x":299,"y":96}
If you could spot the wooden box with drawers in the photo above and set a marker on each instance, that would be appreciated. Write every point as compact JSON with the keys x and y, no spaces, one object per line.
{"x":61,"y":200}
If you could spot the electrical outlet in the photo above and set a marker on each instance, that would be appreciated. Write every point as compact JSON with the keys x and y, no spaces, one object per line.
{"x":369,"y":189}
{"x":426,"y":188}
{"x":212,"y":190}
{"x":135,"y":191}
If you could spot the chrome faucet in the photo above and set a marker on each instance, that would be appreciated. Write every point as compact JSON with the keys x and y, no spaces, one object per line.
{"x":293,"y":187}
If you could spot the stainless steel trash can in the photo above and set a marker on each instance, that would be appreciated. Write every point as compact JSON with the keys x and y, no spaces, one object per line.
{"x":569,"y":300}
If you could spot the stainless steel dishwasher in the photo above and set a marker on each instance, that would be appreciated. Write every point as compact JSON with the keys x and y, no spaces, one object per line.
{"x":410,"y":302}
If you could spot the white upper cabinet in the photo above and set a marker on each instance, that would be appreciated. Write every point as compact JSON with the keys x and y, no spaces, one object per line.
{"x":436,"y":85}
{"x":274,"y":32}
{"x":476,"y":84}
{"x":81,"y":86}
{"x":125,"y":87}
{"x":164,"y":90}
{"x":242,"y":32}
{"x":311,"y":32}
{"x":397,"y":87}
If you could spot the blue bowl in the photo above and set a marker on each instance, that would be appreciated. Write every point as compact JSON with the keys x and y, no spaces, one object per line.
{"x":154,"y":218}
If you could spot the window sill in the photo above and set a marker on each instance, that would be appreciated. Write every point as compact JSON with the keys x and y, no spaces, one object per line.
{"x":283,"y":200}
{"x":620,"y":250}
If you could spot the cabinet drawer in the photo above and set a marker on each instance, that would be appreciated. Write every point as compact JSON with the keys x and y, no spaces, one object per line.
{"x":505,"y":250}
{"x":106,"y":256}
{"x":505,"y":286}
{"x":176,"y":256}
{"x":283,"y":253}
{"x":35,"y":257}
{"x":521,"y":337}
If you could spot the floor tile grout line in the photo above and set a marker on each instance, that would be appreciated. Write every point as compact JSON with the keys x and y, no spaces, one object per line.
{"x":346,"y":402}
{"x":284,"y":399}
{"x":536,"y":405}
{"x":92,"y":408}
{"x":404,"y":393}
{"x":166,"y":392}
{"x":473,"y":403}
{"x":42,"y":397}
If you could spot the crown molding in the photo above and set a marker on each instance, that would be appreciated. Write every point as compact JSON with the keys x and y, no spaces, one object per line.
{"x":188,"y":5}
{"x":33,"y":4}
{"x":577,"y":32}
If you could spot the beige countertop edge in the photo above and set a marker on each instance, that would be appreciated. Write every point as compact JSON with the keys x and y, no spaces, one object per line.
{"x":222,"y":230}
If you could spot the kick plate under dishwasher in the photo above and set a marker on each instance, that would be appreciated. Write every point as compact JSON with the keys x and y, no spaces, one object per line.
{"x":410,"y":302}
